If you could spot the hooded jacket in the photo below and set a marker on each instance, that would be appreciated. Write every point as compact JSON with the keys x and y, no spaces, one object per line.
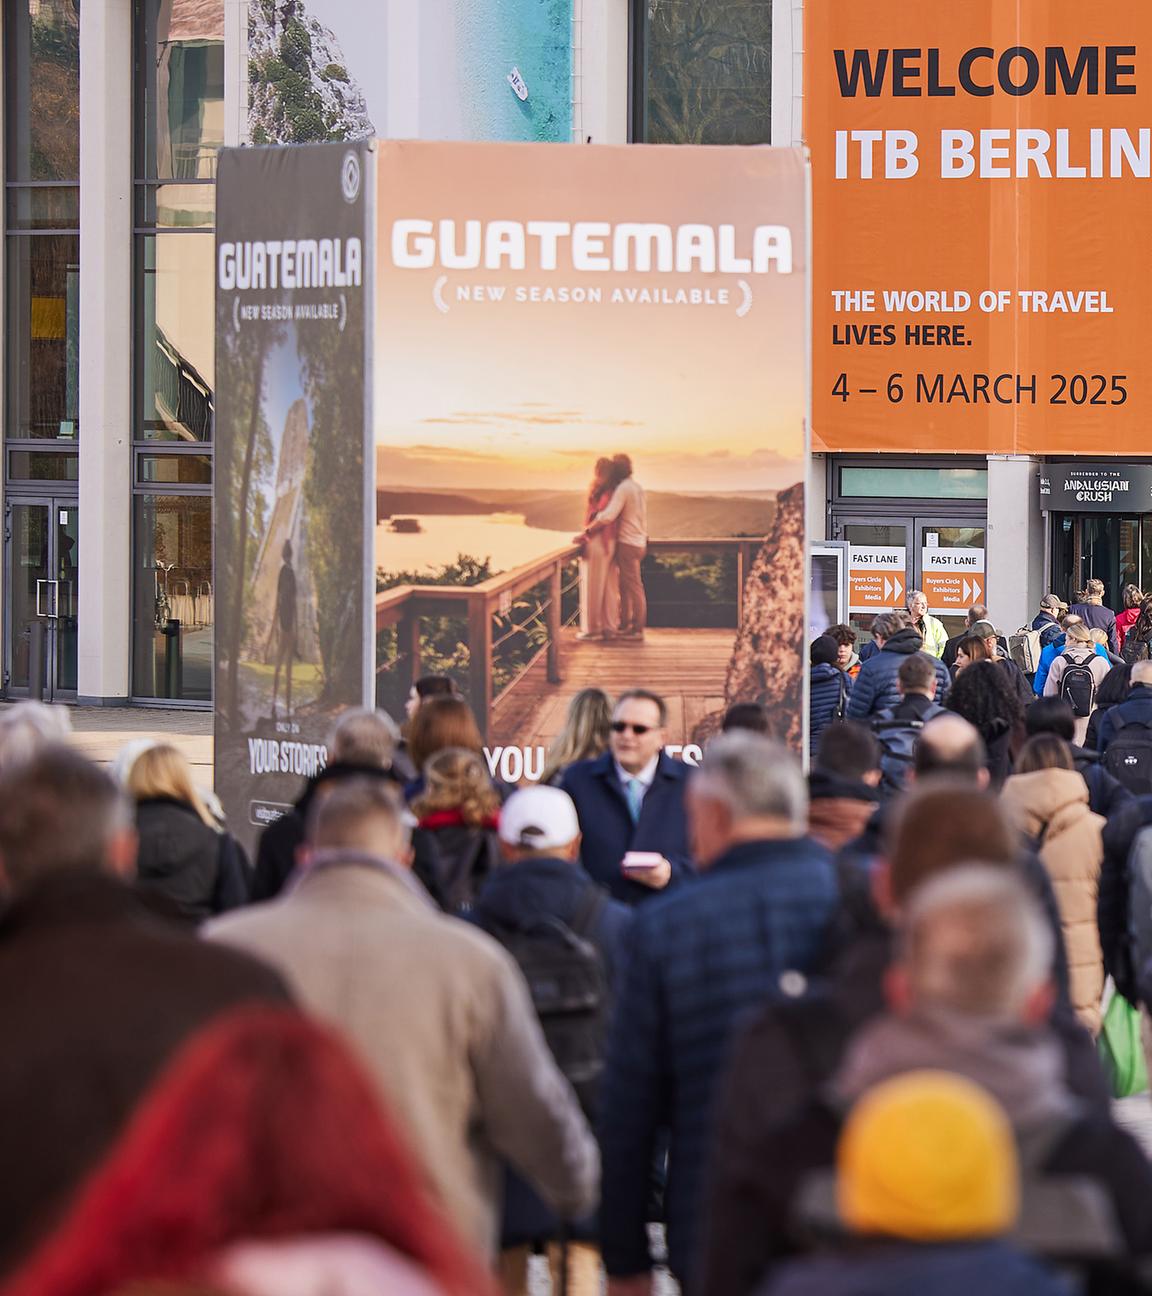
{"x":1051,"y":807}
{"x":828,"y":686}
{"x":876,"y":688}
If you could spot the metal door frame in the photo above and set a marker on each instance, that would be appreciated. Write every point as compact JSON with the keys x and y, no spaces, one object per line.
{"x":52,"y":693}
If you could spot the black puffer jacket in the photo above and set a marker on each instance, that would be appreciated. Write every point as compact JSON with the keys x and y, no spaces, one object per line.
{"x":191,"y":869}
{"x":876,"y":689}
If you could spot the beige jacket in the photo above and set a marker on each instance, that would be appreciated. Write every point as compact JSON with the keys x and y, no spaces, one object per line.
{"x":441,"y":1015}
{"x":1052,"y":805}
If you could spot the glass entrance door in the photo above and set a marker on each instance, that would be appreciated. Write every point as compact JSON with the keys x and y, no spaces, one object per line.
{"x":43,"y":592}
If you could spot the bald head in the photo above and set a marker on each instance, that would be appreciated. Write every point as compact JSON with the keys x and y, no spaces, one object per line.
{"x":950,"y":745}
{"x":1142,"y":673}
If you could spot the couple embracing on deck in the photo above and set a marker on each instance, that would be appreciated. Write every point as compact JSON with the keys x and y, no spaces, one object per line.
{"x":614,"y":541}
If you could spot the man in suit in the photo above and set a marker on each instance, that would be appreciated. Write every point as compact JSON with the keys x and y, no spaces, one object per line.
{"x":631,"y":799}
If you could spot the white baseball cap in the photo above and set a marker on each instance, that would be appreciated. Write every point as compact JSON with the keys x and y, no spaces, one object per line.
{"x":539,"y":818}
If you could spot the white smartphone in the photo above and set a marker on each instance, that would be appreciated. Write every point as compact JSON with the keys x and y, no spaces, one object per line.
{"x":638,"y":860}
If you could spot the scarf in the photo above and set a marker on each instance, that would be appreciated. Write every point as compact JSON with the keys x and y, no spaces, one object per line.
{"x":1022,"y":1067}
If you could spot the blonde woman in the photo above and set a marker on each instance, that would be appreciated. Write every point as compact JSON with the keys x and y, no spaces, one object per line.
{"x":1076,"y":674}
{"x":584,"y":736}
{"x":454,"y":843}
{"x":185,"y":861}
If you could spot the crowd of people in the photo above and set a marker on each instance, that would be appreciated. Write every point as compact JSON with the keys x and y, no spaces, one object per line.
{"x":843,"y":1033}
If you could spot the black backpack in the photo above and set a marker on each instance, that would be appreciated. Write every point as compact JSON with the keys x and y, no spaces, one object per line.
{"x":1128,"y":756}
{"x":1078,"y":686}
{"x":569,"y":988}
{"x":897,"y":739}
{"x":1134,"y":650}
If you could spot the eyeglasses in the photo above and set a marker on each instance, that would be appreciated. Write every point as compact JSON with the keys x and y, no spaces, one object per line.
{"x":622,"y":726}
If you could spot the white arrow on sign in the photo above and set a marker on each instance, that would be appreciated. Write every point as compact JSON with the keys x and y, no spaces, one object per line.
{"x":898,"y":593}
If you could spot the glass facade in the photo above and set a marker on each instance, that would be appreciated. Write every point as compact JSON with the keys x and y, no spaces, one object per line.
{"x":914,"y":483}
{"x":702,"y":71}
{"x":179,"y":127}
{"x":42,"y":201}
{"x":172,"y":597}
{"x":42,"y":71}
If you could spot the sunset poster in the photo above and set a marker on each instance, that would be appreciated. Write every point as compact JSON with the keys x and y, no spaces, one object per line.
{"x":590,"y":386}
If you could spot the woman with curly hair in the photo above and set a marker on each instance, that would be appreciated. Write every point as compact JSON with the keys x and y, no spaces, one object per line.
{"x":454,"y":842}
{"x":983,"y":695}
{"x":260,"y":1163}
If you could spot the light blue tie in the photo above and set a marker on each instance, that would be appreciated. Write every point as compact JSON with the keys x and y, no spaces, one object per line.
{"x":635,"y":791}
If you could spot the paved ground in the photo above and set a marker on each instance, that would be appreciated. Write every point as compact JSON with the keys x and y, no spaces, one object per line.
{"x":100,"y":732}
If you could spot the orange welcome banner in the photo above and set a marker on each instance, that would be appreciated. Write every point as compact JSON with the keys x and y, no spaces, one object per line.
{"x":982,"y":188}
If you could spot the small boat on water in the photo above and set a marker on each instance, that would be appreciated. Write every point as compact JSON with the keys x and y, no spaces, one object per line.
{"x":406,"y":526}
{"x":519,"y":87}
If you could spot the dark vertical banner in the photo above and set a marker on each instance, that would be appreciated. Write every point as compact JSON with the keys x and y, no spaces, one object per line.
{"x":292,"y":248}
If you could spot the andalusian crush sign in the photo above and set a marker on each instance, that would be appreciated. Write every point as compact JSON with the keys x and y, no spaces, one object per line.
{"x":978,"y":173}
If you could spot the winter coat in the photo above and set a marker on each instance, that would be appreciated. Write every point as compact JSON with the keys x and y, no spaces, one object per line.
{"x":698,"y":959}
{"x":441,"y":1017}
{"x":1018,"y":681}
{"x":1105,"y":794}
{"x":791,"y":1050}
{"x":838,"y":808}
{"x":1096,"y":617}
{"x":192,"y":868}
{"x":1048,"y":655}
{"x":513,"y":897}
{"x":933,"y":633}
{"x":452,"y":858}
{"x":1081,"y":655}
{"x":1135,"y":709}
{"x":1124,"y":622}
{"x":96,"y":995}
{"x":905,"y":1269}
{"x":1049,"y":629}
{"x":829,"y":690}
{"x":609,"y":833}
{"x":279,"y":842}
{"x":1113,"y":907}
{"x":1051,"y":807}
{"x":876,"y":688}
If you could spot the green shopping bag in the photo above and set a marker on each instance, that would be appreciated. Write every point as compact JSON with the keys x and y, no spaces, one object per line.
{"x":1121,"y":1050}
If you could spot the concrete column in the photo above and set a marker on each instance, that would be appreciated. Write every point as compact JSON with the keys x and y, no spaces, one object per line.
{"x":235,"y":72}
{"x":603,"y":80}
{"x":105,"y":350}
{"x":1015,"y":557}
{"x":817,"y":501}
{"x":787,"y":72}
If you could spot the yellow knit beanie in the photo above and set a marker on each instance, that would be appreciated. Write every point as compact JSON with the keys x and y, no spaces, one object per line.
{"x":928,"y":1156}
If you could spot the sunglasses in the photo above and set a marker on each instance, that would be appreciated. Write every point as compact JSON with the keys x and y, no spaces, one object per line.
{"x":622,"y":726}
